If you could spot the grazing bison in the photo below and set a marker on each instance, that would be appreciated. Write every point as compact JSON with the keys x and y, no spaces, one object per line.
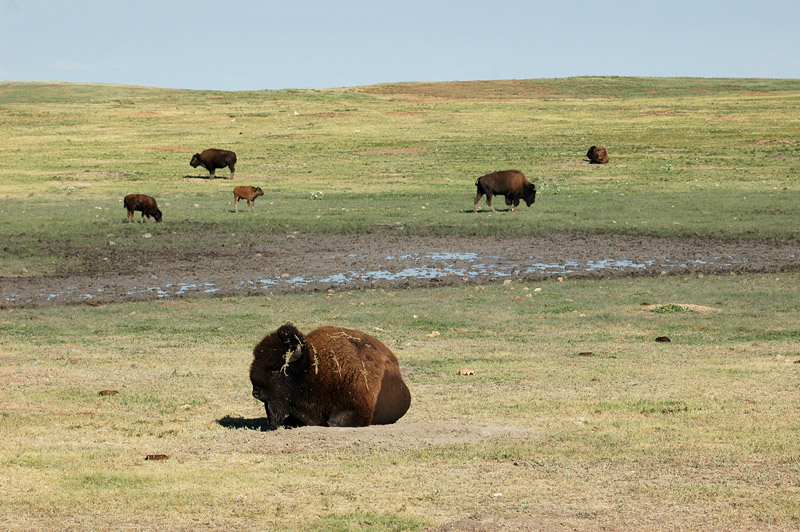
{"x":248,"y":193}
{"x":330,"y":377}
{"x":212,"y":159}
{"x":509,"y":183}
{"x":144,"y":203}
{"x":597,"y":155}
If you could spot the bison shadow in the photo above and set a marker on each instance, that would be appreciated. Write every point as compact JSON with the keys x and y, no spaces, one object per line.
{"x":256,"y":423}
{"x":484,"y":211}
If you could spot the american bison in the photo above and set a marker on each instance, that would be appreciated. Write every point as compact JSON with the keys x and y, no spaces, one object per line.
{"x":144,"y":203}
{"x":248,"y":193}
{"x":329,"y":377}
{"x":597,"y":155}
{"x":509,"y":183}
{"x":212,"y":159}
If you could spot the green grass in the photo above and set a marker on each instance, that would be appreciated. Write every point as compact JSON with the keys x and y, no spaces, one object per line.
{"x":638,"y":435}
{"x":715,"y":157}
{"x":703,"y":424}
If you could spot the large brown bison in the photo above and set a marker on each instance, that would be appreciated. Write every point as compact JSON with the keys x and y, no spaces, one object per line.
{"x":248,"y":193}
{"x":597,"y":155}
{"x":509,"y":183}
{"x":144,"y":203}
{"x":330,"y":377}
{"x":212,"y":158}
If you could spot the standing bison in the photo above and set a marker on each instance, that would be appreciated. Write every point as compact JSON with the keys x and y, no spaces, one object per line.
{"x":144,"y":203}
{"x":330,"y":377}
{"x":248,"y":193}
{"x":212,"y":159}
{"x":509,"y":183}
{"x":597,"y":155}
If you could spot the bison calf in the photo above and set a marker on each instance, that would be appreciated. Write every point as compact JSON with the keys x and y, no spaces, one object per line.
{"x":509,"y":183}
{"x":248,"y":193}
{"x":144,"y":203}
{"x":330,"y":377}
{"x":597,"y":155}
{"x":212,"y":159}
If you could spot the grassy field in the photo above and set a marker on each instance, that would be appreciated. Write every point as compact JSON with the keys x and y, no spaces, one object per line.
{"x":575,"y":416}
{"x":688,"y":156}
{"x":698,"y":433}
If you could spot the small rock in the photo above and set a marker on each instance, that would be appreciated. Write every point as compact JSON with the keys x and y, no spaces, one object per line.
{"x":466,"y":371}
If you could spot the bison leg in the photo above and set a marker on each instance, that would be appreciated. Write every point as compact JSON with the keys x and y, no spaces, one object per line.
{"x":235,"y":204}
{"x":233,"y":169}
{"x":477,"y":199}
{"x":489,"y":202}
{"x":211,"y":174}
{"x":348,"y":418}
{"x":130,"y":216}
{"x":250,"y":205}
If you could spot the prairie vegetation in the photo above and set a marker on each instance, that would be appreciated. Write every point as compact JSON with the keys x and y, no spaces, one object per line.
{"x":570,"y":416}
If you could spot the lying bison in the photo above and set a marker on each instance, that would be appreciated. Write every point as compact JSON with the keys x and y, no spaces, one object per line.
{"x":144,"y":203}
{"x":212,"y":159}
{"x":597,"y":155}
{"x":248,"y":193}
{"x":330,"y":377}
{"x":509,"y":183}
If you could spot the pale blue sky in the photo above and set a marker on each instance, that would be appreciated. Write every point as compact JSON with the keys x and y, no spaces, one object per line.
{"x":242,"y":45}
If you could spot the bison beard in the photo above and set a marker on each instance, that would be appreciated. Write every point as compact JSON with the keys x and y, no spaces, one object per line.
{"x":330,"y":377}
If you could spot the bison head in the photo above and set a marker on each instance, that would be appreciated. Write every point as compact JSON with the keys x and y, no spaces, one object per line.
{"x":157,"y":215}
{"x":278,"y":364}
{"x":529,"y":193}
{"x":195,"y":162}
{"x":258,"y":192}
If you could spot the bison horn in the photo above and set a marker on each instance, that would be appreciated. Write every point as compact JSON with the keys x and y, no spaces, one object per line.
{"x":298,"y":352}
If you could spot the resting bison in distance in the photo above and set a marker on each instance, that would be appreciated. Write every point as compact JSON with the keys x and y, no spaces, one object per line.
{"x":144,"y":203}
{"x":331,"y":377}
{"x":509,"y":183}
{"x":597,"y":155}
{"x":212,"y":159}
{"x":248,"y":193}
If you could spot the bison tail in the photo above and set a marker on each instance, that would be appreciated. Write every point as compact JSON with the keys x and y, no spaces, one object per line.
{"x":478,"y":184}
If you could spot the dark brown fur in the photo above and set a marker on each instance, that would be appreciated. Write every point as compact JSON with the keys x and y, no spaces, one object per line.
{"x":597,"y":155}
{"x":246,"y":192}
{"x":509,"y":183}
{"x":212,"y":158}
{"x":144,"y":203}
{"x":330,"y":377}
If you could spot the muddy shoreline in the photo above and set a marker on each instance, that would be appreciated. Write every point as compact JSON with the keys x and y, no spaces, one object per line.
{"x":303,"y":263}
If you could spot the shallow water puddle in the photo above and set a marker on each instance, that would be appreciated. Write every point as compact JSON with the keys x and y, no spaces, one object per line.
{"x":396,"y":268}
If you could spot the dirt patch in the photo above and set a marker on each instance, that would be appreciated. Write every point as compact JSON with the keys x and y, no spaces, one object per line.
{"x":261,"y":265}
{"x":777,"y":141}
{"x":685,"y":306}
{"x":514,"y":523}
{"x":326,"y":115}
{"x":400,"y":435}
